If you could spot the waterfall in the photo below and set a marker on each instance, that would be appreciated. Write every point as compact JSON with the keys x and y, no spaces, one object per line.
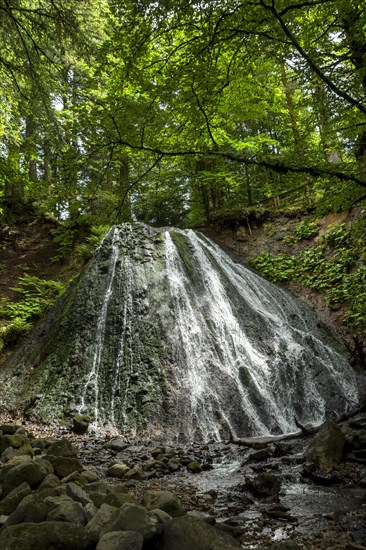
{"x":165,"y":336}
{"x":242,"y":341}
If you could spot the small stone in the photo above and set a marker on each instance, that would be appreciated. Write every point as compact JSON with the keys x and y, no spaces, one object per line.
{"x":117,"y":445}
{"x":135,"y":473}
{"x":194,"y":467}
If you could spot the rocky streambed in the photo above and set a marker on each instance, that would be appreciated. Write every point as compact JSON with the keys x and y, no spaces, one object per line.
{"x":62,"y":490}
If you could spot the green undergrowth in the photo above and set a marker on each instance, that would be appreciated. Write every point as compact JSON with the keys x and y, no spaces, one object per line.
{"x":335,"y":265}
{"x":35,"y":297}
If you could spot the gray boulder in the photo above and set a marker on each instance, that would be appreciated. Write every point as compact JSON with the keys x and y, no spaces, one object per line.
{"x":102,"y":516}
{"x":31,"y":509}
{"x":68,"y":510}
{"x":121,"y":540}
{"x":266,"y":485}
{"x":29,"y":472}
{"x":326,"y":449}
{"x":163,"y":500}
{"x":11,"y":501}
{"x":45,"y":535}
{"x":131,"y":517}
{"x":189,"y":533}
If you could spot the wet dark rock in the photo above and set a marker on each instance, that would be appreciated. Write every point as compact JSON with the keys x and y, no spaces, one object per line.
{"x":358,"y":440}
{"x":260,"y":455}
{"x":266,"y":485}
{"x":326,"y":449}
{"x":77,"y":494}
{"x":49,"y":482}
{"x":45,"y":535}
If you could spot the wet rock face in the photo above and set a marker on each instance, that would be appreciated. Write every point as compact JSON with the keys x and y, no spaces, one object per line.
{"x":326,"y":449}
{"x":165,"y":336}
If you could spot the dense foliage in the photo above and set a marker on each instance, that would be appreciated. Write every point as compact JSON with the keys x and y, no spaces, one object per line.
{"x":179,"y":112}
{"x":170,"y":112}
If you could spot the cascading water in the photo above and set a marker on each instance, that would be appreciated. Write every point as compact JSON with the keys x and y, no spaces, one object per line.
{"x":166,"y":336}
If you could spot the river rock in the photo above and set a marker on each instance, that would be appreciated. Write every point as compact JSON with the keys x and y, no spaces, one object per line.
{"x":266,"y":485}
{"x":45,"y":535}
{"x":132,"y":517}
{"x":77,"y":494}
{"x":62,"y":447}
{"x":11,"y":501}
{"x":194,"y":467}
{"x":189,"y":533}
{"x":64,"y":466}
{"x":69,"y":511}
{"x":358,"y":440}
{"x":326,"y":449}
{"x":163,"y":500}
{"x":29,"y":472}
{"x":9,"y":428}
{"x":31,"y":509}
{"x":49,"y":482}
{"x":80,"y":423}
{"x":17,"y":441}
{"x":118,"y":470}
{"x":120,"y":540}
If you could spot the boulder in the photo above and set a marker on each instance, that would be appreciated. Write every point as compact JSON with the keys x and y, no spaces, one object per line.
{"x":64,"y":466}
{"x":9,"y":428}
{"x":131,"y":517}
{"x":190,"y":533}
{"x":77,"y":494}
{"x":266,"y":485}
{"x":68,"y":510}
{"x":117,"y":445}
{"x":102,"y":516}
{"x":45,"y":535}
{"x":118,"y":470}
{"x":80,"y":423}
{"x":49,"y":482}
{"x":121,"y":540}
{"x":163,"y":500}
{"x":358,"y":440}
{"x":11,"y":501}
{"x":326,"y":449}
{"x":62,"y":447}
{"x":28,"y":472}
{"x":17,"y":441}
{"x":31,"y":509}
